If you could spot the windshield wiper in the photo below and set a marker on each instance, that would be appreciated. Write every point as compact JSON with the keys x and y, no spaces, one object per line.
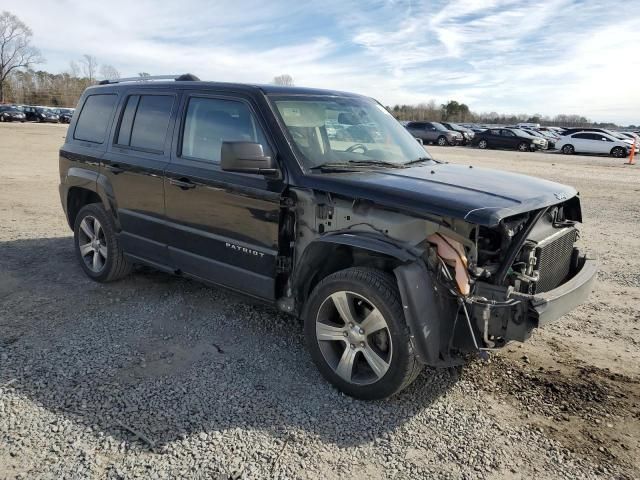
{"x":356,"y":164}
{"x":419,"y":160}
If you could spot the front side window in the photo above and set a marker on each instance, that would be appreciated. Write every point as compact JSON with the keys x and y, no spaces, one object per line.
{"x":95,"y":118}
{"x":508,"y":133}
{"x":210,"y":121}
{"x":329,"y":129}
{"x":144,"y":122}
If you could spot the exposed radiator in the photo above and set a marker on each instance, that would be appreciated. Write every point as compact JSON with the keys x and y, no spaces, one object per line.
{"x":553,"y":256}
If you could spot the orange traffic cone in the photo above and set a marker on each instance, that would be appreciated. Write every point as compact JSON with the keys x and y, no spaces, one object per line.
{"x":632,"y":160}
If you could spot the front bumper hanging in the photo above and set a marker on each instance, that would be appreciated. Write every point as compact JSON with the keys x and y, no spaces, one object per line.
{"x":498,"y":315}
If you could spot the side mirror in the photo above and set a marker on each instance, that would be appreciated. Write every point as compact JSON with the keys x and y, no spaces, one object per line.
{"x":419,"y":140}
{"x":246,"y":157}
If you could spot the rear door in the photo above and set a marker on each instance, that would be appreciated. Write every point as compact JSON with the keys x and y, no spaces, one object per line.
{"x":416,"y":129}
{"x":133,"y":169}
{"x":223,"y":226}
{"x":585,"y":142}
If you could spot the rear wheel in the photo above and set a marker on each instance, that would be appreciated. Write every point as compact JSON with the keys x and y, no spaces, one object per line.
{"x":523,"y":146}
{"x":483,"y":144}
{"x":357,"y":336}
{"x":97,"y":246}
{"x":442,"y":141}
{"x":618,"y":152}
{"x":568,"y":150}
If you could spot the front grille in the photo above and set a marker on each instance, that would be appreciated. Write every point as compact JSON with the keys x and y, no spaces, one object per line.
{"x":554,"y":259}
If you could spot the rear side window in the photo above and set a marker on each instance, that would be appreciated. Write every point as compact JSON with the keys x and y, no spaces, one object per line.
{"x":94,"y":118}
{"x":209,"y":122}
{"x":144,"y":122}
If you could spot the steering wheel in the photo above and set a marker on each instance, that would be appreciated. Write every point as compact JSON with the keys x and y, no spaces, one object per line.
{"x":357,"y":146}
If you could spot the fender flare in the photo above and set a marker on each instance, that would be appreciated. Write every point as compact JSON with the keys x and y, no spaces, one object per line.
{"x":94,"y":181}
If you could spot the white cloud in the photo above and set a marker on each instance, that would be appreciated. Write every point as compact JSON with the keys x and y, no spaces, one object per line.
{"x":558,"y":56}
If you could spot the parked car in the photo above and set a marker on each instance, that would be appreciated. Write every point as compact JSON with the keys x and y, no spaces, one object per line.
{"x":507,"y":138}
{"x":40,"y":114}
{"x":434,"y":132}
{"x":551,"y":141}
{"x":631,"y":136}
{"x":64,"y":114}
{"x":570,"y":131}
{"x":594,"y":142}
{"x":9,"y":113}
{"x":467,"y":133}
{"x":392,"y":259}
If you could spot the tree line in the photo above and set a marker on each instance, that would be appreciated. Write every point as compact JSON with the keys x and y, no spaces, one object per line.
{"x":454,"y":111}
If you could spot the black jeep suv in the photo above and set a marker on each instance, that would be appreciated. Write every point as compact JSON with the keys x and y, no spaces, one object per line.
{"x":392,"y":259}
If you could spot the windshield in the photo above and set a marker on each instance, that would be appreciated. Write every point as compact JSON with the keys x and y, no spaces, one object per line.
{"x":439,"y":126}
{"x":346,"y":131}
{"x":521,"y":133}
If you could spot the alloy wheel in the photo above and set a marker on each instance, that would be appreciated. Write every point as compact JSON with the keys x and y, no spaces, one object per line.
{"x":92,"y":244}
{"x":482,"y":144}
{"x":354,"y":338}
{"x":442,"y":141}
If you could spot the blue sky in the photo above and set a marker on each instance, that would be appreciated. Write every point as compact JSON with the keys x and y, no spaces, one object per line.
{"x":509,"y":56}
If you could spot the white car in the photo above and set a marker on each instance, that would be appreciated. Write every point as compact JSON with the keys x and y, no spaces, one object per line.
{"x":594,"y":142}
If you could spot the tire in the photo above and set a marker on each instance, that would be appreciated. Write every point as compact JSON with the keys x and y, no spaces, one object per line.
{"x":483,"y":144}
{"x":442,"y":141}
{"x":568,"y":149}
{"x":618,"y":152}
{"x":2,"y":119}
{"x":379,"y":348}
{"x":523,"y":147}
{"x":101,"y":255}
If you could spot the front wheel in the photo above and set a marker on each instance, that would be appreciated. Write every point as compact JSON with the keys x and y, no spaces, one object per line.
{"x":442,"y":141}
{"x":357,"y":336}
{"x":97,"y":246}
{"x":483,"y":144}
{"x":568,"y":150}
{"x":618,"y":152}
{"x":523,"y":146}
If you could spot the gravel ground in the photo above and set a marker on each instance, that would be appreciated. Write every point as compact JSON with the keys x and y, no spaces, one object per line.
{"x":160,"y":377}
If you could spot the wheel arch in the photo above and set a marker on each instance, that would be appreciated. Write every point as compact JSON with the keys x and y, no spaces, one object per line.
{"x":333,"y":252}
{"x":82,"y":186}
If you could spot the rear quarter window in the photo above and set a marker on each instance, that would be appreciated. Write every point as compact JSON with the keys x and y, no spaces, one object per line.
{"x":95,"y":117}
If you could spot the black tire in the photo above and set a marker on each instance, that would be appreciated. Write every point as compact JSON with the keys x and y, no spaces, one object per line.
{"x":523,"y":147}
{"x":442,"y":141}
{"x":568,"y":149}
{"x":483,"y":144}
{"x":377,"y":289}
{"x":618,"y":152}
{"x":115,"y":266}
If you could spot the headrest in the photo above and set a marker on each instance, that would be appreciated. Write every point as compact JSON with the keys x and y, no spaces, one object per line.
{"x":302,"y":114}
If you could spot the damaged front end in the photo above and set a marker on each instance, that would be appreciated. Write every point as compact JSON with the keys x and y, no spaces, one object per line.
{"x":497,"y":285}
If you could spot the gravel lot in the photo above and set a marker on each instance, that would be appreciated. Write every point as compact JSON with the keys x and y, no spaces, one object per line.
{"x":160,"y":377}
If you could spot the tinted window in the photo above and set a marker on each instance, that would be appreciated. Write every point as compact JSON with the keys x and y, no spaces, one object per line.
{"x":124,"y":134}
{"x":209,"y":122}
{"x":507,"y":133}
{"x":94,"y":118}
{"x":585,"y":136}
{"x":151,"y":121}
{"x":494,"y":132}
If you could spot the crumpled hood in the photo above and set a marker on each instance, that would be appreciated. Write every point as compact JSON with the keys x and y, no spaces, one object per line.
{"x":477,"y":195}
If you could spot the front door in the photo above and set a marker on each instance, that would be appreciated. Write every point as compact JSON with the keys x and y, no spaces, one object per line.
{"x":223,"y":226}
{"x":133,"y":169}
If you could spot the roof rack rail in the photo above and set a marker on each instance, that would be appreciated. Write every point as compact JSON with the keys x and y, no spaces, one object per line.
{"x":185,"y":77}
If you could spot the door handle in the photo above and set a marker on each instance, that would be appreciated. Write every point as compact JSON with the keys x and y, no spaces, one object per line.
{"x":183,"y":183}
{"x":115,"y":169}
